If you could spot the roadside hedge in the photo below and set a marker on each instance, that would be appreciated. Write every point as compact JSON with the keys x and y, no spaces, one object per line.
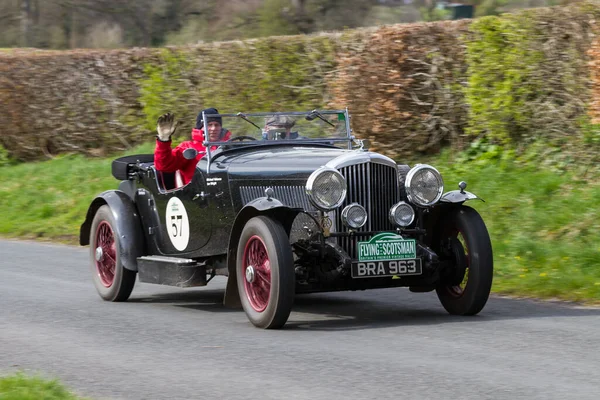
{"x":411,"y":89}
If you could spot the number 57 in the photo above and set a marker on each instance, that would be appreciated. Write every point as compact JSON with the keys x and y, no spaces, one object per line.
{"x":175,"y":219}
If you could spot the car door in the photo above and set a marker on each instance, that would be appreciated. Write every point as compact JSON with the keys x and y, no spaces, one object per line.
{"x":177,"y":221}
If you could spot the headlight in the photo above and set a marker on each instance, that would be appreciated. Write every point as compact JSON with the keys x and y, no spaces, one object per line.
{"x":402,"y":214}
{"x":424,"y":185}
{"x":326,"y":188}
{"x":354,"y":216}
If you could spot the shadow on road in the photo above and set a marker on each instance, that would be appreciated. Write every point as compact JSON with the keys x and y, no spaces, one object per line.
{"x":376,"y":308}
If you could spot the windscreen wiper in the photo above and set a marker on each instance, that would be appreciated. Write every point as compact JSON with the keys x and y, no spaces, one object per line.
{"x":314,"y":114}
{"x":245,"y":118}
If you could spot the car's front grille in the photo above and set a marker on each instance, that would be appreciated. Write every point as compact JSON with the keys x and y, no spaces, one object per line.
{"x":375,"y":187}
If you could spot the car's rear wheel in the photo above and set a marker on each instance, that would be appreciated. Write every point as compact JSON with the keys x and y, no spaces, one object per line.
{"x":112,"y":280}
{"x":265,"y":273}
{"x":466,"y":242}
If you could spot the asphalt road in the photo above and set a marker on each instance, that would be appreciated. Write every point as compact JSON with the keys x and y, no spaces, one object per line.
{"x":170,"y":343}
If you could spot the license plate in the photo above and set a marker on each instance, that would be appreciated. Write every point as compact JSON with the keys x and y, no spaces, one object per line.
{"x":376,"y":269}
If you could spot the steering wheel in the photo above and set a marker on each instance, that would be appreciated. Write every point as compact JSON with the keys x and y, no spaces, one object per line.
{"x":240,"y":138}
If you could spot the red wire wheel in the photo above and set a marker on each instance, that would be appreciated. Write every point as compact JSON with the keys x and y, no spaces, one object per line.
{"x":265,"y":272}
{"x":256,"y":268}
{"x":112,"y":280}
{"x":105,"y":254}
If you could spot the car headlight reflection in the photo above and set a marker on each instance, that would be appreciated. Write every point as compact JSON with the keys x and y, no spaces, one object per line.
{"x":424,"y":185}
{"x":354,"y":216}
{"x":326,"y":188}
{"x":402,"y":214}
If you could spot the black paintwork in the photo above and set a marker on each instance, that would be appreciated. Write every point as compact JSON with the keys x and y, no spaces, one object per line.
{"x":212,"y":216}
{"x":213,"y":203}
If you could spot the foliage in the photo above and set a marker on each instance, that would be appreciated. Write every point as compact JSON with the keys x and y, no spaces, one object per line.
{"x":514,"y":79}
{"x":62,"y":24}
{"x":21,"y":387}
{"x":544,"y":223}
{"x":403,"y":85}
{"x":275,"y":19}
{"x":489,"y":7}
{"x":289,"y":73}
{"x":165,"y":85}
{"x":434,"y":14}
{"x":5,"y":157}
{"x":528,"y":76}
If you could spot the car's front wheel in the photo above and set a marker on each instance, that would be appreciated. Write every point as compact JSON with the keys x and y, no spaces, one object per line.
{"x":466,"y":243}
{"x":112,"y":280}
{"x":265,"y":273}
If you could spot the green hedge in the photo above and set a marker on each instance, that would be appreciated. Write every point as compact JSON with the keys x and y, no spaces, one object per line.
{"x":412,"y":88}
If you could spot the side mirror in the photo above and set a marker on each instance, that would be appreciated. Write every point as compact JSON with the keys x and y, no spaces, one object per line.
{"x":190,"y":154}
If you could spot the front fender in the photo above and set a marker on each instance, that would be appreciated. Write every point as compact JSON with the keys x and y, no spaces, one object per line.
{"x":456,"y":196}
{"x":263,"y":205}
{"x":129,"y":228}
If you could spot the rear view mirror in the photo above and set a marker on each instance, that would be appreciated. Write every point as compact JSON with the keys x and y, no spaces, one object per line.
{"x":190,"y":154}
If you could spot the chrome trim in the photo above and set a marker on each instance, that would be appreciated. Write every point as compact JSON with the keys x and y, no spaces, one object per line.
{"x":456,"y":196}
{"x":359,"y":157}
{"x":347,"y":209}
{"x":311,"y":180}
{"x":374,"y":186}
{"x":393,"y":213}
{"x":409,"y":177}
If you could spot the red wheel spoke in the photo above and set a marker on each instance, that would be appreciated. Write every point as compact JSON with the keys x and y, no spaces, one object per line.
{"x":107,"y":263}
{"x":256,"y":259}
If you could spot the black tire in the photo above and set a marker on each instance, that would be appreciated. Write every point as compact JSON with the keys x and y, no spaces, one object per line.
{"x":266,"y":292}
{"x":471,"y":249}
{"x":112,"y":280}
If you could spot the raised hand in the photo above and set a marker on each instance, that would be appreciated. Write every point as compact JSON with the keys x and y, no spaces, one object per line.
{"x":166,"y":126}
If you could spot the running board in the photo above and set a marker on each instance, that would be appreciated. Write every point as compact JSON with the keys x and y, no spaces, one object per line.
{"x":171,"y":271}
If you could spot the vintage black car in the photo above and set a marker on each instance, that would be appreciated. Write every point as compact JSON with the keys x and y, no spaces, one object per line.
{"x":286,"y":211}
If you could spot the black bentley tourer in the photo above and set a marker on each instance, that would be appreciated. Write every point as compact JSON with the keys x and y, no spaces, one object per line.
{"x":283,"y":211}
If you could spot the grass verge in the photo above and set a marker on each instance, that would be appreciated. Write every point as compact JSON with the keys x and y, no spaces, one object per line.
{"x":545,"y":225}
{"x":22,"y":387}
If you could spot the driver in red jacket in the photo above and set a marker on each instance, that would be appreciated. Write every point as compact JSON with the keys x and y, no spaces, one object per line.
{"x":171,"y":160}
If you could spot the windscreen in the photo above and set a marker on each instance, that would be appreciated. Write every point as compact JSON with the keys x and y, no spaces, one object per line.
{"x":325,"y":126}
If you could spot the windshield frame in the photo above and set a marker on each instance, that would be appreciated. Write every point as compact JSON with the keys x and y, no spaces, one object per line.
{"x":349,"y":139}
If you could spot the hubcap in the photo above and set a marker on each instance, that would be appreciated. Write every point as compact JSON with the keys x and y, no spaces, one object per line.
{"x":99,"y":253}
{"x":249,"y":274}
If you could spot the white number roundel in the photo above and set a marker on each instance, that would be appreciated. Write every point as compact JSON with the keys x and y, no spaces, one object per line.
{"x":178,"y":224}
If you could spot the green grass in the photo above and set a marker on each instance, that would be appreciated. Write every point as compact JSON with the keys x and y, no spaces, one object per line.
{"x":545,"y":225}
{"x":22,"y":387}
{"x":49,"y":199}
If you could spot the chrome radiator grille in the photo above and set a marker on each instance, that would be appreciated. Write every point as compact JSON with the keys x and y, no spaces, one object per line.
{"x":375,"y":187}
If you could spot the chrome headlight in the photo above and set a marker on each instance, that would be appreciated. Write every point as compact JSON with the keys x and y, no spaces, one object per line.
{"x":424,"y":185}
{"x":326,"y":188}
{"x":354,"y":216}
{"x":402,"y":214}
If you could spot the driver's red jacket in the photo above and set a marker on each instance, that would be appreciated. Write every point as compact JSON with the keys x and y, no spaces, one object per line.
{"x":171,"y":160}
